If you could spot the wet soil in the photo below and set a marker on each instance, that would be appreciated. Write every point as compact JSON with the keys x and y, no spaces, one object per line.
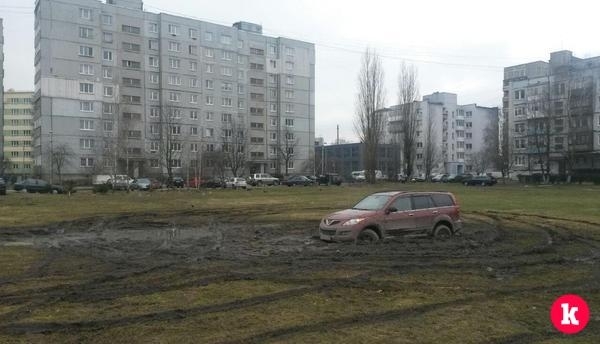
{"x":115,"y":253}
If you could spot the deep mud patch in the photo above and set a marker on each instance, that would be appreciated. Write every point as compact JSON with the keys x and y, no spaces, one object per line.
{"x":98,"y":263}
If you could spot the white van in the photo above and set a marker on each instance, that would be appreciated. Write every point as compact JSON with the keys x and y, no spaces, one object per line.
{"x":359,"y":176}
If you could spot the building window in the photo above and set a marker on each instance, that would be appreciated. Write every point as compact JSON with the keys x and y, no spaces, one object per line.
{"x":520,"y":94}
{"x":131,"y":47}
{"x":289,"y":65}
{"x":227,"y":71}
{"x":153,"y":61}
{"x":173,"y":29}
{"x":108,"y":91}
{"x":154,"y":112}
{"x":226,"y":117}
{"x":107,"y":55}
{"x":86,"y":51}
{"x":209,"y":84}
{"x":153,"y":28}
{"x":210,"y":100}
{"x":174,"y":46}
{"x":85,"y":87}
{"x":174,"y":97}
{"x":289,"y":108}
{"x":86,"y":106}
{"x":194,"y":98}
{"x":210,"y":116}
{"x":86,"y":124}
{"x":273,"y":107}
{"x":175,"y":63}
{"x":85,"y":13}
{"x":241,"y":104}
{"x":194,"y":83}
{"x":289,"y":94}
{"x":289,"y":51}
{"x":86,"y":69}
{"x":154,"y":78}
{"x":174,"y":80}
{"x":87,"y":162}
{"x":131,"y":64}
{"x":289,"y":80}
{"x":194,"y":131}
{"x":289,"y":122}
{"x":256,"y":51}
{"x":240,"y":44}
{"x":107,"y":109}
{"x":194,"y":114}
{"x":86,"y":32}
{"x":227,"y":102}
{"x":108,"y":125}
{"x":154,"y":147}
{"x":107,"y":37}
{"x":106,"y":19}
{"x":210,"y":68}
{"x":208,"y":36}
{"x":193,"y":66}
{"x":153,"y":44}
{"x":209,"y":132}
{"x":130,"y":29}
{"x":86,"y":143}
{"x":193,"y":50}
{"x":154,"y":95}
{"x":225,"y":39}
{"x":227,"y":55}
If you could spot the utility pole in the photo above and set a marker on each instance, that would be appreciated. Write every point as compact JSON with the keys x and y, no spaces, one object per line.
{"x":337,"y":141}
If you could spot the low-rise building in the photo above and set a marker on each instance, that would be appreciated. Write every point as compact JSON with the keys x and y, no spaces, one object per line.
{"x":348,"y":157}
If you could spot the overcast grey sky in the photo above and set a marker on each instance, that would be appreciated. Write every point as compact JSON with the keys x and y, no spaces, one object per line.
{"x":458,"y":46}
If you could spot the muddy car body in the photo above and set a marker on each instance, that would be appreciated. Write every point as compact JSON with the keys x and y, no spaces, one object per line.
{"x":394,"y":213}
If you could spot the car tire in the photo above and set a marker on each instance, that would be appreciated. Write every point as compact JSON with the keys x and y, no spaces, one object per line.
{"x":482,"y":183}
{"x":442,"y":232}
{"x":367,"y":236}
{"x":276,"y":183}
{"x":466,"y":184}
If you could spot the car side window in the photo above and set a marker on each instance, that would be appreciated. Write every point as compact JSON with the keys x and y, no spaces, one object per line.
{"x":442,"y":200}
{"x":402,"y":204}
{"x":422,"y":202}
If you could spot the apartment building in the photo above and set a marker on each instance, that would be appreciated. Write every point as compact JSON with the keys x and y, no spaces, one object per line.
{"x":136,"y":92}
{"x":552,"y":110}
{"x":458,"y":132}
{"x":1,"y":90}
{"x":18,"y":125}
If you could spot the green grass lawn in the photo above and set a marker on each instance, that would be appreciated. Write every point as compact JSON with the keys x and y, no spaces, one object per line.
{"x":343,"y":294}
{"x":298,"y":203}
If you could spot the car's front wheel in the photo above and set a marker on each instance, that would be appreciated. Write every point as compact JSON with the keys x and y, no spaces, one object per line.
{"x":367,"y":236}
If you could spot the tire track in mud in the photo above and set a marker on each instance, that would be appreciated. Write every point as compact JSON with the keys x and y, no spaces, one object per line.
{"x":392,"y":315}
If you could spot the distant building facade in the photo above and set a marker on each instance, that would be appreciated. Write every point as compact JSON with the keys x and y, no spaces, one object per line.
{"x":109,"y":71}
{"x":18,"y":126}
{"x":457,"y":132}
{"x":348,"y":157}
{"x":1,"y":90}
{"x":552,"y":110}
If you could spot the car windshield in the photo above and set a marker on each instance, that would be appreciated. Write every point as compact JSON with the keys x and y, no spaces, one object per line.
{"x":143,"y":180}
{"x":373,"y":202}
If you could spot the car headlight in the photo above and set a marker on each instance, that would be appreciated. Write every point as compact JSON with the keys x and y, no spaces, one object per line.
{"x":352,"y":222}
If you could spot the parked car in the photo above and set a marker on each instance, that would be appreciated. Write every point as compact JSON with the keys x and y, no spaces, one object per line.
{"x":143,"y":184}
{"x":360,"y":176}
{"x":297,"y":180}
{"x":120,"y":182}
{"x":260,"y":179}
{"x":194,"y":182}
{"x":2,"y":187}
{"x":313,"y":178}
{"x":439,"y":178}
{"x":175,"y":182}
{"x":450,"y":178}
{"x":481,"y":180}
{"x":211,"y":183}
{"x":330,"y":179}
{"x":419,"y":178}
{"x":155,"y":183}
{"x":461,"y":178}
{"x":235,"y":183}
{"x":37,"y":185}
{"x":394,"y":213}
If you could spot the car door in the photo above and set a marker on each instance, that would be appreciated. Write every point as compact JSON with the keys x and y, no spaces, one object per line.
{"x":402,"y":220}
{"x":424,"y":212}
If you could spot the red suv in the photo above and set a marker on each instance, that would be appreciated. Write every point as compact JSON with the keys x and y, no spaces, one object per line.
{"x":394,"y":213}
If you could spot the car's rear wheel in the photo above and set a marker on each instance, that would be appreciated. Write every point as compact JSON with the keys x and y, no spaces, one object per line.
{"x":276,"y":183}
{"x":482,"y":183}
{"x":466,"y":184}
{"x":442,"y":232}
{"x":367,"y":236}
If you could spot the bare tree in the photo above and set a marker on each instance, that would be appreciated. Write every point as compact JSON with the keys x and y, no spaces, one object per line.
{"x":505,"y":161}
{"x":579,"y":107}
{"x":370,"y":117}
{"x":431,"y":152}
{"x":286,"y":148}
{"x":491,"y":148}
{"x":408,"y":94}
{"x":170,"y":131}
{"x":480,"y":161}
{"x":5,"y":165}
{"x":60,"y":156}
{"x":540,"y":132}
{"x":235,"y":139}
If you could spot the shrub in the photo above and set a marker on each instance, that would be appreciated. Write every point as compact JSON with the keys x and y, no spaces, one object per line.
{"x":101,"y":188}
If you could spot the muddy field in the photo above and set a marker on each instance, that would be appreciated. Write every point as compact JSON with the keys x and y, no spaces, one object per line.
{"x":200,"y":278}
